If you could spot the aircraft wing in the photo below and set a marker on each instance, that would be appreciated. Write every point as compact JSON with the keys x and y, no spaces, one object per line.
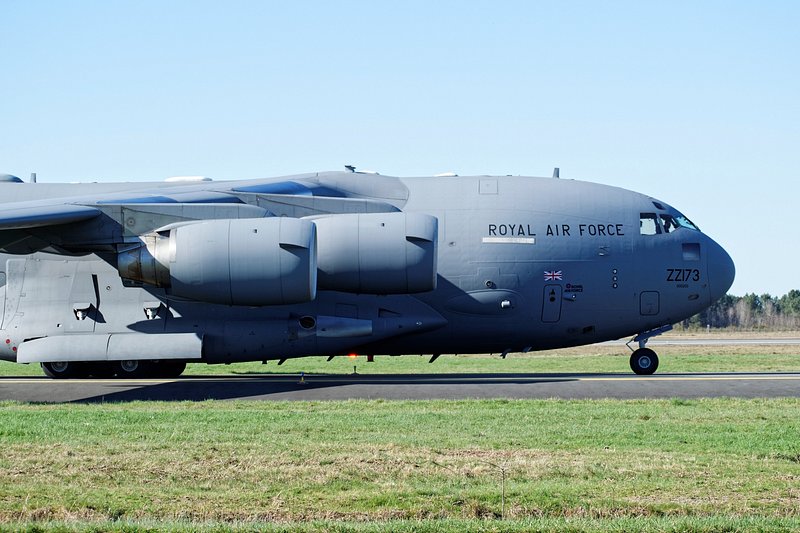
{"x":302,"y":206}
{"x":87,"y":221}
{"x":21,"y":216}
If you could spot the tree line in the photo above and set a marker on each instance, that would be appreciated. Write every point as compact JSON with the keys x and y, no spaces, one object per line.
{"x":750,"y":311}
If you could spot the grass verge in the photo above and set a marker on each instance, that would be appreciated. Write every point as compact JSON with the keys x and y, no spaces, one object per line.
{"x":719,"y":464}
{"x":641,"y":525}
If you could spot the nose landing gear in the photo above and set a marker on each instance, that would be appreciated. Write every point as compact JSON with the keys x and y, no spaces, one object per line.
{"x":644,"y":361}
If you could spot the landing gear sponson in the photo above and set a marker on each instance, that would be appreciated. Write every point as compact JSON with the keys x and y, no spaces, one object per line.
{"x":121,"y":369}
{"x":644,"y":361}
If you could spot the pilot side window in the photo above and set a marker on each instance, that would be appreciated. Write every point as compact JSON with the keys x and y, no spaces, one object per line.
{"x":648,"y":224}
{"x":669,"y":223}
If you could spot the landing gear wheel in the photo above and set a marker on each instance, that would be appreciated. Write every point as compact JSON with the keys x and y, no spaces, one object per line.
{"x":133,"y":368}
{"x":65,"y":370}
{"x":644,"y":361}
{"x":169,"y":369}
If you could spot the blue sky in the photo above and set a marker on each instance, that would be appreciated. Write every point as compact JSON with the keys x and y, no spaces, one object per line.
{"x":695,"y":103}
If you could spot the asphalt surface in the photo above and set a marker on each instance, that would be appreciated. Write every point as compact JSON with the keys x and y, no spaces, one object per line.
{"x":430,"y":386}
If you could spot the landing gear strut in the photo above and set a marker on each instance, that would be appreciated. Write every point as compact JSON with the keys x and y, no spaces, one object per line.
{"x":644,"y":361}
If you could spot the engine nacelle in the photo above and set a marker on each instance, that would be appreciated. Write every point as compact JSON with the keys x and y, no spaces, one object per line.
{"x":377,"y":253}
{"x":260,"y":261}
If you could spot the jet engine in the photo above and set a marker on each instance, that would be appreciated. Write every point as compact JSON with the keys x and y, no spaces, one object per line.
{"x":260,"y":261}
{"x":281,"y":260}
{"x":377,"y":253}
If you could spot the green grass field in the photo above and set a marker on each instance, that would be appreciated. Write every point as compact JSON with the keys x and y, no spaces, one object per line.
{"x":700,"y":465}
{"x":707,"y":465}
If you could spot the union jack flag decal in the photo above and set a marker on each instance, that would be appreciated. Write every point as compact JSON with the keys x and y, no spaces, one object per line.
{"x":553,"y":275}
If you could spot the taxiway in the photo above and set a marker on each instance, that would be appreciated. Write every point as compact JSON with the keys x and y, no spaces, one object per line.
{"x":403,"y":387}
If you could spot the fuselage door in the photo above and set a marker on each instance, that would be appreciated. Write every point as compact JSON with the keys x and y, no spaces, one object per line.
{"x":551,"y":303}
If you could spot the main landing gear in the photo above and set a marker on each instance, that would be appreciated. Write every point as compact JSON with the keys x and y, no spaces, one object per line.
{"x":108,"y":369}
{"x":644,"y":361}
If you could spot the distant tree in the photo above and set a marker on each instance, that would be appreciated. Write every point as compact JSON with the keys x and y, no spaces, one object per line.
{"x":790,"y":303}
{"x":750,"y":311}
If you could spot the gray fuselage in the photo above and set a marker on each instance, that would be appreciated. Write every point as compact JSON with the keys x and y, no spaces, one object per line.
{"x":521,"y":264}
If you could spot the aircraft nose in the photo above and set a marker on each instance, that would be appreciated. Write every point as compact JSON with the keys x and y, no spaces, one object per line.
{"x":721,"y":271}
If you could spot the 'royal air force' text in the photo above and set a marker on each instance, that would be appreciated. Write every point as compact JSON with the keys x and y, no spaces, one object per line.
{"x":557,"y":230}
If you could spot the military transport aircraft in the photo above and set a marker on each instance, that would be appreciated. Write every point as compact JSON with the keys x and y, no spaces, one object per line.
{"x":137,"y":279}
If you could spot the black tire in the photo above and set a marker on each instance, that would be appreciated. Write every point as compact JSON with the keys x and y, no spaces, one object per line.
{"x":644,"y":361}
{"x":169,"y":369}
{"x":65,"y":370}
{"x":133,"y":369}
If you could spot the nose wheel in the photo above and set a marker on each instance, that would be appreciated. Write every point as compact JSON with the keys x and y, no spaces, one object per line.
{"x":644,"y":361}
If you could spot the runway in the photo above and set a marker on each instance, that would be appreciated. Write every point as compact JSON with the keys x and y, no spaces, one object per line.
{"x":403,"y":387}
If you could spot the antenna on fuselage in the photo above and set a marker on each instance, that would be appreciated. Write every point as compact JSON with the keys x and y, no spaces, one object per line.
{"x":350,"y":168}
{"x":556,"y":173}
{"x":33,"y":177}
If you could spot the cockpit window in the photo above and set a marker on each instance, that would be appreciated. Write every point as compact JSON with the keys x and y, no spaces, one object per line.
{"x":669,"y":223}
{"x":656,"y":224}
{"x":648,"y":224}
{"x":686,"y":223}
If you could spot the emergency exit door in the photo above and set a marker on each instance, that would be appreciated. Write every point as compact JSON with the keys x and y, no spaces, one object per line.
{"x":551,"y":303}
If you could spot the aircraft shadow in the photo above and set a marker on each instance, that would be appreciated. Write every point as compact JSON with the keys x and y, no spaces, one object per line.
{"x":290,"y":386}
